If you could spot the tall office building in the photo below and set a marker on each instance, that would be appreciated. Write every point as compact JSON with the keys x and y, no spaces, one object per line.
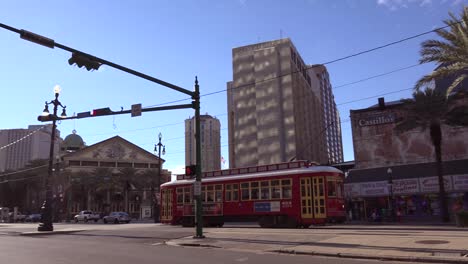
{"x":210,"y":142}
{"x":20,"y":146}
{"x":275,"y":107}
{"x":331,"y":116}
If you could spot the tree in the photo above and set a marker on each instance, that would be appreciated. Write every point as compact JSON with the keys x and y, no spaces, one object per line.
{"x":430,"y":109}
{"x":451,"y":54}
{"x":127,"y":177}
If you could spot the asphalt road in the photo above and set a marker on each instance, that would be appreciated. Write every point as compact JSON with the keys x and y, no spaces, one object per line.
{"x":134,"y":243}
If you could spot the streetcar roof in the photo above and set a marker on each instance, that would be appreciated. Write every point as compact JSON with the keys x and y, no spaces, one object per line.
{"x":277,"y":173}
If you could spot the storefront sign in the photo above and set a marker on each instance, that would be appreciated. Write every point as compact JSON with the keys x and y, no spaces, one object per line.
{"x":460,"y":182}
{"x":374,"y":188}
{"x":406,"y":186}
{"x":352,"y":190}
{"x":431,"y":184}
{"x":379,"y":119}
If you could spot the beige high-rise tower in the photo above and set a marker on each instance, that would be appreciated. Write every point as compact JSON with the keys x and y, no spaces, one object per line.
{"x":274,"y":107}
{"x":210,"y":142}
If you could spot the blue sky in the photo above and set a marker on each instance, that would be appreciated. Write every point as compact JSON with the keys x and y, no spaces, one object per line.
{"x":177,"y":40}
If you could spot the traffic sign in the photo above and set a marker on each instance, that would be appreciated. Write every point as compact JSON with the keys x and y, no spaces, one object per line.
{"x":136,"y":110}
{"x":197,"y":188}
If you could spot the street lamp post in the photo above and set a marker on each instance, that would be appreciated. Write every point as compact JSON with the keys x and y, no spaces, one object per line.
{"x":390,"y":191}
{"x":158,"y":182}
{"x":46,"y":209}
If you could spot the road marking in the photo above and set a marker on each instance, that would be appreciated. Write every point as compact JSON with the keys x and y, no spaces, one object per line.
{"x":242,"y":259}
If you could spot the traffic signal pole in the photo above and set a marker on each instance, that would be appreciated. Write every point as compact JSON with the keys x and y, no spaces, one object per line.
{"x":199,"y":207}
{"x":91,"y":62}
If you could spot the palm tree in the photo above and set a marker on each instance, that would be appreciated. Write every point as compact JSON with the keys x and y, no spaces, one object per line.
{"x":106,"y":181}
{"x":127,"y":176}
{"x":430,"y":109}
{"x":451,"y":54}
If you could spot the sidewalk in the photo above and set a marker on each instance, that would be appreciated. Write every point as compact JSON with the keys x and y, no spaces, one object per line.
{"x":441,"y":244}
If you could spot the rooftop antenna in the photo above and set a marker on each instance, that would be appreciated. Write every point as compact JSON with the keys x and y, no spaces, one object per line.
{"x":281,"y":33}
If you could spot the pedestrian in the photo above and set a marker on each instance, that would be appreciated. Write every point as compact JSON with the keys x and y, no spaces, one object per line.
{"x":398,"y":214}
{"x":374,"y":215}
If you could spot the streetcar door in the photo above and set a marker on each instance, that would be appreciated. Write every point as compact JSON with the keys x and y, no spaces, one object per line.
{"x":166,"y":204}
{"x":318,"y":186}
{"x":306,"y":198}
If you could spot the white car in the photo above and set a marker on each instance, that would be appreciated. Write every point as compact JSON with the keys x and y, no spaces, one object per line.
{"x":86,"y":216}
{"x":116,"y":217}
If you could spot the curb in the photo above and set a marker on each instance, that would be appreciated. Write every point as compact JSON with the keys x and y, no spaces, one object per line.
{"x":382,"y":258}
{"x":170,"y":243}
{"x":339,"y":255}
{"x":42,"y":233}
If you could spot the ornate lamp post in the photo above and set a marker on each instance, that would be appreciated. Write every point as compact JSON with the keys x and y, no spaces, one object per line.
{"x":158,"y":182}
{"x":46,"y":209}
{"x":390,"y":191}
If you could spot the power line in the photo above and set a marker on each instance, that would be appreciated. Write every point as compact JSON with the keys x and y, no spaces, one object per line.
{"x":325,"y":63}
{"x":374,"y":96}
{"x":376,"y":76}
{"x":22,"y":179}
{"x":21,"y":139}
{"x":21,"y":171}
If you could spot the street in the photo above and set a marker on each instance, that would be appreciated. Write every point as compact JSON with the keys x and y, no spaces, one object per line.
{"x":131,"y":243}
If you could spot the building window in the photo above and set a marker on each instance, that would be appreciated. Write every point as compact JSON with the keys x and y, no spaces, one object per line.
{"x":74,"y":163}
{"x":107,"y":164}
{"x":89,"y":163}
{"x":124,"y":165}
{"x":141,"y":165}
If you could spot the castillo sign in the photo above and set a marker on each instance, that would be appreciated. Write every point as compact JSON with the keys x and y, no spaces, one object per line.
{"x":377,"y":119}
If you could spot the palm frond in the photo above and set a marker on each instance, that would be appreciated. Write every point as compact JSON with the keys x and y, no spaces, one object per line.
{"x":456,"y":82}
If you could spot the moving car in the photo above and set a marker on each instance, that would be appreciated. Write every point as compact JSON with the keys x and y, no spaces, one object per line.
{"x":33,"y":218}
{"x":86,"y":216}
{"x":116,"y":217}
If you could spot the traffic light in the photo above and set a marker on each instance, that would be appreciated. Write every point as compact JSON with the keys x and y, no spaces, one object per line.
{"x":82,"y":60}
{"x":191,"y":170}
{"x":101,"y":111}
{"x":45,"y":118}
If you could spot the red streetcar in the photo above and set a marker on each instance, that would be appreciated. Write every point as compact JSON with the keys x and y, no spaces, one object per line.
{"x":293,"y":194}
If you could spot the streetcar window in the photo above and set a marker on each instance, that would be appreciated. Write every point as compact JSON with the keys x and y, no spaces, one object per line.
{"x":254,"y":191}
{"x":321,"y":191}
{"x":245,"y":192}
{"x":235,"y":192}
{"x":209,"y":196}
{"x":331,"y":187}
{"x":286,"y":191}
{"x":187,"y":195}
{"x":275,"y":192}
{"x":180,"y":195}
{"x":231,"y":192}
{"x":219,"y":193}
{"x":265,"y":190}
{"x":339,"y":189}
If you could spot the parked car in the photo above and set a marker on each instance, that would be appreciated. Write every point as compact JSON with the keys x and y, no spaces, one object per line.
{"x":19,"y":217}
{"x":33,"y":218}
{"x":116,"y":217}
{"x":86,"y":216}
